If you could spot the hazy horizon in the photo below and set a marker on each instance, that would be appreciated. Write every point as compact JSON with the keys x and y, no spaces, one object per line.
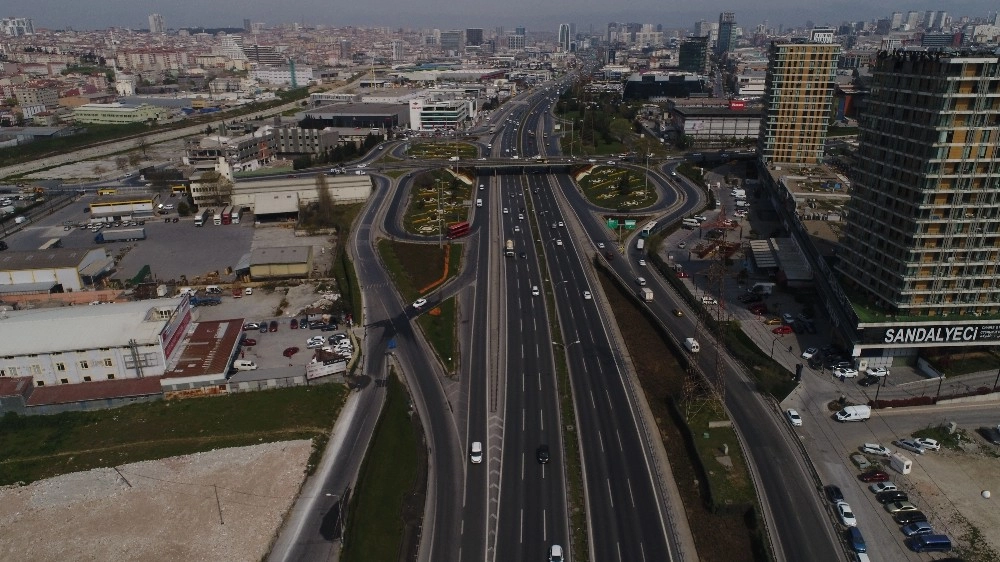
{"x":544,"y":15}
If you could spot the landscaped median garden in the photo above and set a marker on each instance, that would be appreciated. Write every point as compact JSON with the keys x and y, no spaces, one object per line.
{"x":441,"y":150}
{"x":615,"y":187}
{"x":454,"y":189}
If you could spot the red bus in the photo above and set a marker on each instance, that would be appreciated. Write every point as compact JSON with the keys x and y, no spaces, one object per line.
{"x":227,"y":215}
{"x":458,"y":230}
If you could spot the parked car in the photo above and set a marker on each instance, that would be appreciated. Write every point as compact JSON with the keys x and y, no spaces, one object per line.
{"x":809,"y":352}
{"x":918,"y":528}
{"x":876,"y":449}
{"x":263,"y":326}
{"x":893,"y":496}
{"x":896,"y":507}
{"x":251,"y":326}
{"x":833,"y":493}
{"x":294,"y":324}
{"x":877,"y":372}
{"x":928,"y":443}
{"x":868,"y":381}
{"x":856,"y":539}
{"x":787,"y":318}
{"x":793,"y":418}
{"x":845,"y":372}
{"x":880,"y":487}
{"x":905,"y":517}
{"x":772,"y":321}
{"x":273,"y":326}
{"x":249,"y":342}
{"x":845,"y":514}
{"x":991,"y":434}
{"x":910,"y":445}
{"x":782,"y":330}
{"x":873,"y":476}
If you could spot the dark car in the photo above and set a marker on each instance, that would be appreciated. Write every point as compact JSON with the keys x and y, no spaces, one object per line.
{"x":990,"y":434}
{"x":249,"y":342}
{"x":542,"y":453}
{"x":303,"y":324}
{"x":263,"y":326}
{"x":524,"y":256}
{"x":893,"y":496}
{"x":833,"y":493}
{"x":273,"y":326}
{"x":856,"y":539}
{"x":294,"y":324}
{"x":797,"y":326}
{"x":874,"y":476}
{"x":758,"y":308}
{"x":3,"y":245}
{"x":815,"y":362}
{"x":328,"y":327}
{"x":316,"y":324}
{"x":869,"y":380}
{"x":906,"y":517}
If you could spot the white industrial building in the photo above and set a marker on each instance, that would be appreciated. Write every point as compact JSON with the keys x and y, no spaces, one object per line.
{"x":80,"y":344}
{"x":41,"y":271}
{"x":427,"y":115}
{"x":282,"y":196}
{"x":283,"y":75}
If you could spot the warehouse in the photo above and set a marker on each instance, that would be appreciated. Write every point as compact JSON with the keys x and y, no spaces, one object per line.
{"x":54,"y":270}
{"x":278,"y":263}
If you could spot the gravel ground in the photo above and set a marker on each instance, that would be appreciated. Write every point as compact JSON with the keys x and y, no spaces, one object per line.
{"x":168,"y":509}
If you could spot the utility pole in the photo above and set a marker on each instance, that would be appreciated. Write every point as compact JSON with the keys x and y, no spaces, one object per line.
{"x":439,"y":217}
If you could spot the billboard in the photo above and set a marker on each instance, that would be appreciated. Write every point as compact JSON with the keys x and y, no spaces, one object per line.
{"x":928,"y":335}
{"x":737,"y":104}
{"x":325,"y":368}
{"x":172,"y":333}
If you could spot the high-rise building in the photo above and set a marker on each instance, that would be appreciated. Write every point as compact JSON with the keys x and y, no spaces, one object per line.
{"x":156,"y":24}
{"x":515,"y":42}
{"x":398,"y":50}
{"x":345,"y":49}
{"x":727,"y":33}
{"x":474,"y":36}
{"x":896,"y":21}
{"x":451,"y":41}
{"x":520,"y":31}
{"x":16,"y":27}
{"x":912,"y":19}
{"x":797,"y":100}
{"x":246,"y":25}
{"x":923,"y":223}
{"x":702,"y":28}
{"x":693,"y":55}
{"x":564,"y":38}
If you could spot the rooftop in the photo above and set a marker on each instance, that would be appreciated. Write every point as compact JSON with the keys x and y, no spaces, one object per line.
{"x":49,"y":330}
{"x":53,"y":258}
{"x":288,"y":254}
{"x":100,"y":390}
{"x":208,"y":349}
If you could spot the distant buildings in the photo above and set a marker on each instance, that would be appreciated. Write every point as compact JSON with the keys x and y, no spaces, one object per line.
{"x":564,"y":37}
{"x":157,"y":24}
{"x":727,"y":33}
{"x":118,"y":113}
{"x":694,"y":56}
{"x":474,"y":36}
{"x":283,"y":75}
{"x":16,"y":27}
{"x":797,"y":102}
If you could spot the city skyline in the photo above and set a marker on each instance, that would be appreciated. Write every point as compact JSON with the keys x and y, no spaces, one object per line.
{"x":433,"y":13}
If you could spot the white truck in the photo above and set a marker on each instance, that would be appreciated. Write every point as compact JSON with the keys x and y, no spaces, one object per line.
{"x":509,"y":249}
{"x":640,"y":244}
{"x":646,"y":293}
{"x":854,"y":413}
{"x":692,"y":345}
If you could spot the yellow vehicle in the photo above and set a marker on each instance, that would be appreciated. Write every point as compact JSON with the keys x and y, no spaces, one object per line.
{"x":107,"y":191}
{"x":773,"y":321}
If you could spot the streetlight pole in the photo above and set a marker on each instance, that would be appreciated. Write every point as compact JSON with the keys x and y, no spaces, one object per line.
{"x":439,"y":218}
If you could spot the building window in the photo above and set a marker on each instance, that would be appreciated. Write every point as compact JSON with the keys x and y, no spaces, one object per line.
{"x":39,"y":383}
{"x":84,"y":364}
{"x":60,"y":366}
{"x":36,"y":369}
{"x":64,"y":381}
{"x":111,"y":377}
{"x":86,"y":379}
{"x":12,"y":371}
{"x":108,"y":362}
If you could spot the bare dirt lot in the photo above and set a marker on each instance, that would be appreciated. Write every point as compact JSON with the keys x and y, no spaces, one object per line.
{"x":220,"y":505}
{"x":951,"y":483}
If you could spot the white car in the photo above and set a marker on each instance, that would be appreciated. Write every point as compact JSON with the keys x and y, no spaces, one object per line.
{"x":248,"y":291}
{"x":586,"y":295}
{"x":877,"y":372}
{"x":505,"y":211}
{"x":313,"y":343}
{"x":846,"y":372}
{"x":880,"y":487}
{"x":559,"y":243}
{"x":809,"y":352}
{"x":911,"y":445}
{"x":600,"y":245}
{"x":682,"y":245}
{"x":846,"y":515}
{"x":793,"y":418}
{"x":876,"y":449}
{"x":928,"y":443}
{"x":642,"y":263}
{"x":561,"y":224}
{"x":419,"y":303}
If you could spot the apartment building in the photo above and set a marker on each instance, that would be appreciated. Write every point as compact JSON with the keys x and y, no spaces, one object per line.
{"x":241,"y":153}
{"x":48,"y":97}
{"x":798,"y":96}
{"x":923,"y":233}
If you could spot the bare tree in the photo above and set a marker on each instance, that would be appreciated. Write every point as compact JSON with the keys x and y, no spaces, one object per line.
{"x":142,"y":146}
{"x":134,"y":158}
{"x":121,"y":162}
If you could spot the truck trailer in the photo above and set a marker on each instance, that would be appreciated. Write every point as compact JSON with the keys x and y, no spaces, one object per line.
{"x":509,"y":249}
{"x":120,"y":235}
{"x":646,"y":293}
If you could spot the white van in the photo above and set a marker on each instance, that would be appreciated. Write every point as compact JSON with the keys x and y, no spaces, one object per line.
{"x":479,"y":202}
{"x":692,"y":345}
{"x":690,"y":223}
{"x":213,"y":290}
{"x":476,"y":452}
{"x":854,"y":413}
{"x":244,"y":365}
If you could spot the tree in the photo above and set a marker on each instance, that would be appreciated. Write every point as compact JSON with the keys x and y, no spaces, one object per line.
{"x":121,"y":162}
{"x":625,"y":185}
{"x":142,"y":145}
{"x":134,"y":158}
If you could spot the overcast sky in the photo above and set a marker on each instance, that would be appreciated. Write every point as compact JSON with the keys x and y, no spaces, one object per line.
{"x":445,"y":14}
